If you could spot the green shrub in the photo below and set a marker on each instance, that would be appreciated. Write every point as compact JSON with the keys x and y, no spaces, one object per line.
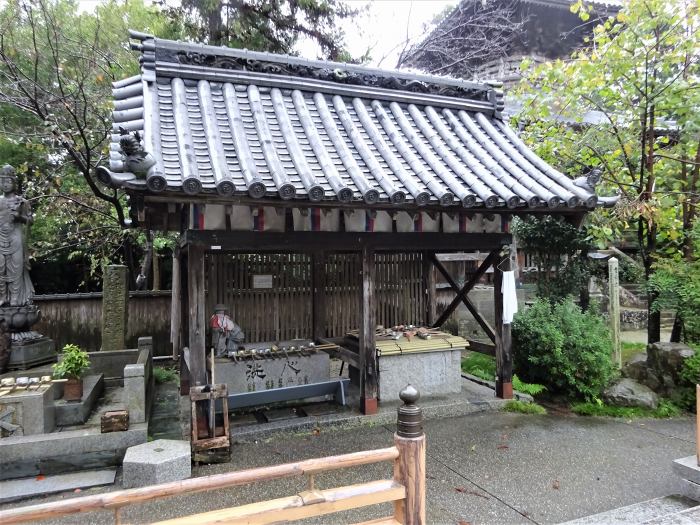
{"x":559,"y":252}
{"x":676,"y":283}
{"x":484,"y":367}
{"x":73,"y":364}
{"x":532,"y":389}
{"x":523,"y":408}
{"x":684,"y":394}
{"x":664,"y":410}
{"x":479,"y":365}
{"x":164,"y":375}
{"x":563,"y":348}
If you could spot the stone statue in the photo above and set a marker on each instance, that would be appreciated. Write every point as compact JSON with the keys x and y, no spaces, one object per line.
{"x":16,"y":287}
{"x":136,"y":159}
{"x":226,"y":335}
{"x":27,"y":348}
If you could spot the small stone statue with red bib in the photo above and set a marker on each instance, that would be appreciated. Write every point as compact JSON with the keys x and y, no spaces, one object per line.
{"x":226,"y":336}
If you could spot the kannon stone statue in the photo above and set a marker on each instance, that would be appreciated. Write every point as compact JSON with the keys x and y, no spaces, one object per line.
{"x":16,"y":287}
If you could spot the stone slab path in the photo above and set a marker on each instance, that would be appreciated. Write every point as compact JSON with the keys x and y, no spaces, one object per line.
{"x":24,"y":487}
{"x":481,"y":468}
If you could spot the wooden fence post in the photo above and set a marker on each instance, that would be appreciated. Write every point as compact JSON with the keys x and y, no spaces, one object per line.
{"x":409,"y":467}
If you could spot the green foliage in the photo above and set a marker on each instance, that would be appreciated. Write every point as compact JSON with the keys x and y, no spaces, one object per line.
{"x":676,"y":283}
{"x":266,"y":25}
{"x":559,"y":250}
{"x":57,"y":63}
{"x":484,"y":367}
{"x":684,"y":393}
{"x":629,"y":349}
{"x":165,"y":375}
{"x":627,"y":104}
{"x":665,"y":409}
{"x":532,"y":389}
{"x":73,"y":364}
{"x":523,"y":408}
{"x":691,"y":369}
{"x":479,"y":365}
{"x":563,"y":348}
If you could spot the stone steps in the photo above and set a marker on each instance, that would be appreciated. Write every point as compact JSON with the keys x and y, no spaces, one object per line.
{"x":649,"y":512}
{"x":685,"y":517}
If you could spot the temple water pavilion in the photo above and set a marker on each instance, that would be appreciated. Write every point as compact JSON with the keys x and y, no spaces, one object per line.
{"x":312,"y":197}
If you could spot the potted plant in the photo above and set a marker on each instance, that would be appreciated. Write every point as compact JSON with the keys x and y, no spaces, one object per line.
{"x":73,"y":364}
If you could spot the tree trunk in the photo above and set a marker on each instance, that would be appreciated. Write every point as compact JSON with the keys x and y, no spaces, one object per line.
{"x":677,"y":329}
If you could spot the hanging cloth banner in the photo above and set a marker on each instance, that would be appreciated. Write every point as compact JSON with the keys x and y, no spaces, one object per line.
{"x":510,"y":299}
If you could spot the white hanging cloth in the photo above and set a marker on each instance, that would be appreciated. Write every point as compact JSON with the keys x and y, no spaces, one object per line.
{"x":510,"y":299}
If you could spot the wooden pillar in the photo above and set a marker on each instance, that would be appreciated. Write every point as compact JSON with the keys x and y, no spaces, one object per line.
{"x":409,"y":467}
{"x":429,"y":289}
{"x":504,"y":347}
{"x":175,"y":305}
{"x":197,"y":315}
{"x":156,"y":271}
{"x":318,"y":295}
{"x":368,"y":325}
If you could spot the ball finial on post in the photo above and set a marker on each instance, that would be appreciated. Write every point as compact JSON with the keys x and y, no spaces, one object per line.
{"x":410,"y":416}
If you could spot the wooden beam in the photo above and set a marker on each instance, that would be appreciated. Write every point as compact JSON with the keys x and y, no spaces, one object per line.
{"x":175,"y":306}
{"x":467,"y":286}
{"x":368,"y":350}
{"x":460,"y":257}
{"x":483,"y":323}
{"x":121,"y":498}
{"x":429,"y":288}
{"x":482,"y":348}
{"x":246,"y":241}
{"x":318,"y":295}
{"x":485,"y":326}
{"x":301,"y":506}
{"x":184,"y":327}
{"x":342,"y":353}
{"x":152,"y":201}
{"x":197,"y":315}
{"x":504,"y":351}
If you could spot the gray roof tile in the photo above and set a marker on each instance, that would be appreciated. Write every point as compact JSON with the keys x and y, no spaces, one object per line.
{"x":241,"y":124}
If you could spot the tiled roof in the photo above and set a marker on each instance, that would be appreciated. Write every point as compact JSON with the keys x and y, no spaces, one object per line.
{"x":261,"y":126}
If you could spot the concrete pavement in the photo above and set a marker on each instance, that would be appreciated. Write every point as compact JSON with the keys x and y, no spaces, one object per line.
{"x":481,"y":468}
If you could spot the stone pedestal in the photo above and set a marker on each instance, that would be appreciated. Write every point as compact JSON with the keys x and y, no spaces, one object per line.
{"x":77,"y":412}
{"x":156,"y":462}
{"x":432,"y":373}
{"x":31,"y":353}
{"x":27,"y":412}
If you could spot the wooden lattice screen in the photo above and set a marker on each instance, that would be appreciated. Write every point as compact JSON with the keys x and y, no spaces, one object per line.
{"x":283,"y":311}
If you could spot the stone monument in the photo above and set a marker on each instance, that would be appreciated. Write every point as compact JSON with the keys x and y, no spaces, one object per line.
{"x":18,"y":314}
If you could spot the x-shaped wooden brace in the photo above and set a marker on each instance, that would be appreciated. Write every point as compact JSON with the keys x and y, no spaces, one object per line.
{"x":462,"y":293}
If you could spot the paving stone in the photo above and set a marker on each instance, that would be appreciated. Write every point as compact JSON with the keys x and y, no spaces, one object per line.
{"x":159,"y":461}
{"x":280,"y":414}
{"x":643,"y":512}
{"x":687,"y":468}
{"x":40,"y":485}
{"x":690,"y":490}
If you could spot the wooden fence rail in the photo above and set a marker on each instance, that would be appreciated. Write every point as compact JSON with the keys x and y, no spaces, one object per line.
{"x":406,"y":489}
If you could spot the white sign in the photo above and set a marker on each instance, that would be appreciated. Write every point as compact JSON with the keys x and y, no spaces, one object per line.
{"x":262,"y":281}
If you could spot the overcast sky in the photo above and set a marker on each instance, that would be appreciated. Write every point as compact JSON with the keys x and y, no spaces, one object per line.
{"x":383,"y":27}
